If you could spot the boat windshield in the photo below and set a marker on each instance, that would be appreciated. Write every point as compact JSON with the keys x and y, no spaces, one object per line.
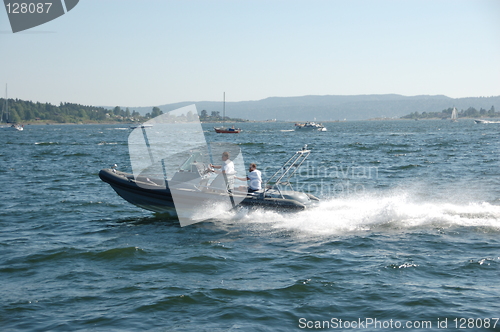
{"x":194,"y":158}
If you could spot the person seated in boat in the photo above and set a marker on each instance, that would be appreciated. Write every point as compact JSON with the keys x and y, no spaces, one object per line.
{"x":254,"y":179}
{"x":226,"y":170}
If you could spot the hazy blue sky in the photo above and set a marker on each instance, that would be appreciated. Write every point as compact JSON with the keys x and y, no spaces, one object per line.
{"x":144,"y":53}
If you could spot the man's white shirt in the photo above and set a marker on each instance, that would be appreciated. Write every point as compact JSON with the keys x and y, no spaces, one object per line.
{"x":255,"y":180}
{"x":228,"y":167}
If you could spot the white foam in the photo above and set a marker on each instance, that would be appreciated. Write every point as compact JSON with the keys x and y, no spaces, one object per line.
{"x":380,"y":213}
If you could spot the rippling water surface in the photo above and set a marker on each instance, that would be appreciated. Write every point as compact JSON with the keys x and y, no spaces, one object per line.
{"x":408,"y":230}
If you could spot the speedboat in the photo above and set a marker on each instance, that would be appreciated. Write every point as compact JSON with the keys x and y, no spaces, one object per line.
{"x":192,"y":188}
{"x":223,"y":130}
{"x":309,"y":126}
{"x":485,"y":121}
{"x":16,"y":127}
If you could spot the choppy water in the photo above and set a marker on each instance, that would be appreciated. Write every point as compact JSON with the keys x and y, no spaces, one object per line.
{"x":408,"y":230}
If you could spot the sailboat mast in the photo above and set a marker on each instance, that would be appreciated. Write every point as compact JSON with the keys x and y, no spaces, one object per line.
{"x":3,"y":106}
{"x":224,"y":110}
{"x":6,"y":106}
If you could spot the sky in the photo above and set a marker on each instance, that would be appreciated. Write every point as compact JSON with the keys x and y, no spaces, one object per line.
{"x":154,"y":52}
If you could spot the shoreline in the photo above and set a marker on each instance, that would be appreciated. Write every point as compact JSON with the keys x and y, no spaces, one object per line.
{"x":38,"y":123}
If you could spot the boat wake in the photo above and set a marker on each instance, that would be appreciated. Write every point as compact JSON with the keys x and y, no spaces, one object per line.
{"x":385,"y":214}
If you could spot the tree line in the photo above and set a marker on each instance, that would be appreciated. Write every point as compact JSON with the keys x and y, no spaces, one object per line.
{"x":471,"y":112}
{"x":189,"y":116}
{"x":215,"y":117}
{"x":19,"y":111}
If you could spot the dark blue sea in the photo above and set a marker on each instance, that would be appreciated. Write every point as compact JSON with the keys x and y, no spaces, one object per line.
{"x":406,"y":237}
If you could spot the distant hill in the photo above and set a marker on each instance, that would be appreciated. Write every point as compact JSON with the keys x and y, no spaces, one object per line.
{"x":325,"y":108}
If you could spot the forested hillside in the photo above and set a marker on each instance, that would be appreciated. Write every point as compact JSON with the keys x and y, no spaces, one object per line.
{"x":18,"y":111}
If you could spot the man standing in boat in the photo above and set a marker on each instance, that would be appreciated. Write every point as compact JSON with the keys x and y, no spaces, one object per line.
{"x":254,"y":177}
{"x":227,"y":170}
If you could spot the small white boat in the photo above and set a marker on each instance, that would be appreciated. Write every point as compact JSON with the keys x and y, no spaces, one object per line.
{"x":454,"y":115}
{"x":309,"y":126}
{"x":17,"y":127}
{"x":141,"y":126}
{"x":485,"y":121}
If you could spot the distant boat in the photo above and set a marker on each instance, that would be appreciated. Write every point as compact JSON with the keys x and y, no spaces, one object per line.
{"x":454,"y":115}
{"x":485,"y":121}
{"x":5,"y":108}
{"x":17,"y":127}
{"x":223,"y":129}
{"x":141,"y":126}
{"x":309,"y":126}
{"x":231,"y":130}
